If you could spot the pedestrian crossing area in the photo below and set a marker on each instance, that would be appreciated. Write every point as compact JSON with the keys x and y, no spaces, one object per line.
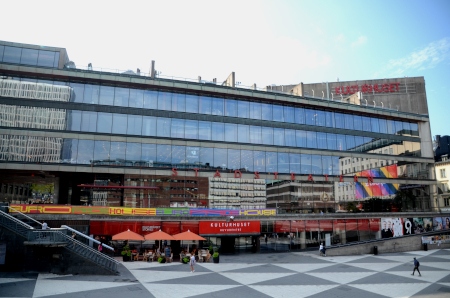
{"x":292,"y":274}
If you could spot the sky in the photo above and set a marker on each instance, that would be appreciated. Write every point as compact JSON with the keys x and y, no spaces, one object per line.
{"x":264,"y":42}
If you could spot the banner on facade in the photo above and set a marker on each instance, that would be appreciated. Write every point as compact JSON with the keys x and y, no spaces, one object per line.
{"x":229,"y":228}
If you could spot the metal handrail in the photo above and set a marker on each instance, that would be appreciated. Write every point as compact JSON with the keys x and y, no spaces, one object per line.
{"x":87,"y":237}
{"x":28,"y":217}
{"x":17,"y":221}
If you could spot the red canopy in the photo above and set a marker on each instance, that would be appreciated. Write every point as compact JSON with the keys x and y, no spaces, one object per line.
{"x":128,"y":235}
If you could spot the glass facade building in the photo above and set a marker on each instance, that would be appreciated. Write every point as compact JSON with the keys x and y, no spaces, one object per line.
{"x":76,"y":126}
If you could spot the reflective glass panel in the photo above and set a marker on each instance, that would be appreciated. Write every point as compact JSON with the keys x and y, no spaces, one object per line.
{"x":106,"y":95}
{"x":12,"y":54}
{"x":349,"y":121}
{"x":267,"y":135}
{"x":191,"y":129}
{"x":121,"y":96}
{"x":149,"y":153}
{"x":255,"y":110}
{"x":255,"y":134}
{"x":247,"y":160}
{"x":310,"y":116}
{"x":164,"y":100}
{"x":320,"y":118}
{"x":311,"y":139}
{"x":339,"y":120}
{"x":289,"y":114}
{"x":271,"y":162}
{"x":266,"y":111}
{"x":178,"y":155}
{"x":191,"y":103}
{"x":204,"y":105}
{"x":104,"y":122}
{"x":206,"y":156}
{"x":230,"y":108}
{"x":278,"y":136}
{"x":331,"y":141}
{"x":243,"y":133}
{"x":259,"y":161}
{"x":278,"y":113}
{"x":149,"y":125}
{"x":91,"y":94}
{"x":150,"y":99}
{"x":85,"y":151}
{"x":74,"y":120}
{"x":164,"y":155}
{"x":117,"y":152}
{"x":77,"y":92}
{"x":119,"y":124}
{"x":133,"y":152}
{"x":231,"y":132}
{"x":29,"y":57}
{"x":193,"y":155}
{"x":102,"y":151}
{"x":357,"y":121}
{"x":136,"y":98}
{"x":204,"y":130}
{"x":306,"y":164}
{"x":243,"y":109}
{"x":217,"y":131}
{"x":375,"y":124}
{"x":283,"y":162}
{"x":234,"y":159}
{"x":301,"y":138}
{"x":177,"y":130}
{"x":220,"y":159}
{"x":295,"y":162}
{"x":163,"y":126}
{"x":134,"y":125}
{"x":289,"y":138}
{"x":217,"y":107}
{"x":88,"y":121}
{"x":46,"y":58}
{"x":300,"y":116}
{"x":178,"y":102}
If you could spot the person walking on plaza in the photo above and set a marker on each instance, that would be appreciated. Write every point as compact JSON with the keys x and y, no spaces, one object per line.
{"x":416,"y":267}
{"x":322,"y":249}
{"x":192,"y":262}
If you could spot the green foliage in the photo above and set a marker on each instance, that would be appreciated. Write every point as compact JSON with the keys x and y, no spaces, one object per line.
{"x":351,"y":207}
{"x":43,"y":188}
{"x":215,"y":254}
{"x":185,"y":260}
{"x":161,"y":260}
{"x":126,"y":251}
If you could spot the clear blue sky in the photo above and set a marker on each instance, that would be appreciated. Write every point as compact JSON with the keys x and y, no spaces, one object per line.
{"x":264,"y":42}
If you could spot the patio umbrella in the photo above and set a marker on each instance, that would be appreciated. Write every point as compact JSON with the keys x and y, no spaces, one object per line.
{"x":128,"y":235}
{"x":158,"y":235}
{"x":188,"y":235}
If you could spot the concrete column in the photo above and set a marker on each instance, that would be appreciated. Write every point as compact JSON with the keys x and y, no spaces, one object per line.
{"x":302,"y":240}
{"x":343,"y":237}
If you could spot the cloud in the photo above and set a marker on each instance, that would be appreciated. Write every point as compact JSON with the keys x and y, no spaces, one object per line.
{"x":426,"y":58}
{"x":362,"y":40}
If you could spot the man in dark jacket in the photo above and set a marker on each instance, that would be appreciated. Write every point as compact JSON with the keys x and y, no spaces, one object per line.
{"x":416,"y":267}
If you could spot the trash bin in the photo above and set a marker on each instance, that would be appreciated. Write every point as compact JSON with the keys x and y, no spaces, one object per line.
{"x":375,"y":250}
{"x":425,"y":246}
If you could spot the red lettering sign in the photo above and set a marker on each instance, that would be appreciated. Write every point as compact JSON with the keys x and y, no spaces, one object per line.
{"x":292,"y":176}
{"x":256,"y":175}
{"x":237,"y":174}
{"x":229,"y":228}
{"x":217,"y":174}
{"x":375,"y":88}
{"x":174,"y":172}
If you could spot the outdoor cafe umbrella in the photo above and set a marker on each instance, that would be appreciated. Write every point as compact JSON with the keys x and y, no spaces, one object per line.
{"x":188,"y":235}
{"x":158,"y":235}
{"x":128,"y":235}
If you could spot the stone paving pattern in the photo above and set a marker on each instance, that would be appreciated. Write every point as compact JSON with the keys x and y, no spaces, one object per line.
{"x":291,"y":274}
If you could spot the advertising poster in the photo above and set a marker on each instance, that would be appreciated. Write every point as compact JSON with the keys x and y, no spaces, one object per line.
{"x":391,"y":227}
{"x":437,"y":223}
{"x":367,"y":190}
{"x":446,"y":223}
{"x":408,"y":226}
{"x":428,"y":224}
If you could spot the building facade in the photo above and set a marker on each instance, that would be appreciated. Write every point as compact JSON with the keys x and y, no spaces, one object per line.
{"x":138,"y":140}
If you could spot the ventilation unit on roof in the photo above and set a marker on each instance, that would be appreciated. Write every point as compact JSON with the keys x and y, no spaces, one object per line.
{"x":70,"y":64}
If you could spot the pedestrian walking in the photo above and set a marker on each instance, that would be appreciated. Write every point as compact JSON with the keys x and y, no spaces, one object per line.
{"x":322,"y":250}
{"x":416,"y":267}
{"x":192,"y":262}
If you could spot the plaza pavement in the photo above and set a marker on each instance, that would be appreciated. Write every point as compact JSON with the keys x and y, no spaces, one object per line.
{"x":290,"y":274}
